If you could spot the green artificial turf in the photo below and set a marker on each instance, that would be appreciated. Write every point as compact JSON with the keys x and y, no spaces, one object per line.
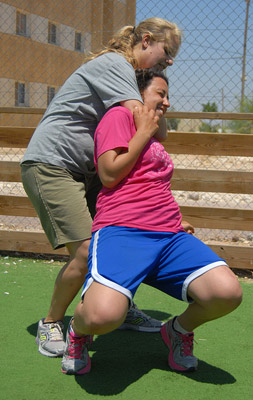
{"x":125,"y":364}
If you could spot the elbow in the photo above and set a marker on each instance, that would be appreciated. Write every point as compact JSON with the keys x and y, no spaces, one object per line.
{"x":109,"y":178}
{"x":108,"y":182}
{"x":109,"y":185}
{"x":161,"y":137}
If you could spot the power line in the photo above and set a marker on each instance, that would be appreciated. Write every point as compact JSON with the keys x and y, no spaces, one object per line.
{"x":209,"y":59}
{"x":200,"y":45}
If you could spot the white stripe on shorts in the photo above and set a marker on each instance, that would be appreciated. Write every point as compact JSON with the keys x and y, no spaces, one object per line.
{"x":95,"y":276}
{"x":195,"y":275}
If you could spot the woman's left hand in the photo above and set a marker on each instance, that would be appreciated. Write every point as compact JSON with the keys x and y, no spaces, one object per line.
{"x":188,"y":227}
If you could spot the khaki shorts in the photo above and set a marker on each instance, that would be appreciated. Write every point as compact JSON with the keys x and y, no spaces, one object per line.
{"x":65,"y":201}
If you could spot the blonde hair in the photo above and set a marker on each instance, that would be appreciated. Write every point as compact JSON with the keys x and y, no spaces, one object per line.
{"x":127,"y":37}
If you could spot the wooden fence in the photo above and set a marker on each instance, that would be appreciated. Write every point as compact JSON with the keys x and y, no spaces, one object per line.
{"x":237,"y":256}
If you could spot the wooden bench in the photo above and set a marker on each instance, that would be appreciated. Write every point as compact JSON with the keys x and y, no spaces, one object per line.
{"x":197,"y":180}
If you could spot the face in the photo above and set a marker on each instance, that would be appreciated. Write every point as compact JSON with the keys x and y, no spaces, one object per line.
{"x":156,"y":97}
{"x":154,"y":54}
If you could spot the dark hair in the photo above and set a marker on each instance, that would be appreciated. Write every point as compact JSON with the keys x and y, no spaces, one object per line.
{"x":144,"y":77}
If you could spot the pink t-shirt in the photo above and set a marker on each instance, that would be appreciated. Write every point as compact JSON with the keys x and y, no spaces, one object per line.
{"x":143,"y":199}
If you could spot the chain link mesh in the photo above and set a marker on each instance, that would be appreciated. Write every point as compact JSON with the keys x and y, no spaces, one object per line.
{"x":43,"y":42}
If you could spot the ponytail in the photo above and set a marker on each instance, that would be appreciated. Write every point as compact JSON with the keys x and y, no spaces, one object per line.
{"x":127,"y":37}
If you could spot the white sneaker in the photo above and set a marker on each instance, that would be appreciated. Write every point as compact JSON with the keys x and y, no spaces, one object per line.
{"x":50,"y":338}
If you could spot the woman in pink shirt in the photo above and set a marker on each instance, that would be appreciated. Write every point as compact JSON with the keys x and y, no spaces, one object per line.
{"x":138,"y":237}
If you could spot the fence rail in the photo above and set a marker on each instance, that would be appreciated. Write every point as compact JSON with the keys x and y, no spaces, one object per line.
{"x":183,"y":179}
{"x":169,"y":114}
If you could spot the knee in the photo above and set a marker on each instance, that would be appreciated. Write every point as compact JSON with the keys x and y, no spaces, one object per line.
{"x":232,"y":295}
{"x":79,"y":251}
{"x":227,"y":297}
{"x":78,"y":258}
{"x":218,"y":291}
{"x":82,"y":252}
{"x":104,"y":319}
{"x":103,"y":309}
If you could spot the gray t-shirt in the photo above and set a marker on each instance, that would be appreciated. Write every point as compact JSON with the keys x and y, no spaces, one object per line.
{"x":65,"y":134}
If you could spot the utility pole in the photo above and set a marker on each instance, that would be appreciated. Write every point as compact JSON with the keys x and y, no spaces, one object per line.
{"x":222,"y":108}
{"x":244,"y":50}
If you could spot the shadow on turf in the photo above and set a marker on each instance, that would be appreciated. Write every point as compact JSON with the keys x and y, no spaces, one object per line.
{"x":121,"y":358}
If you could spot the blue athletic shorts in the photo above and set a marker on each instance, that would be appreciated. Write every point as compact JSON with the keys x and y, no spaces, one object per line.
{"x":123,"y":258}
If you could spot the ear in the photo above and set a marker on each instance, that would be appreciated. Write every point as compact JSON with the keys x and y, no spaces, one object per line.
{"x":146,"y":40}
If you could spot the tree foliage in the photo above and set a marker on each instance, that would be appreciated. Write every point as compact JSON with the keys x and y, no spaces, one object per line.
{"x":209,"y":126}
{"x":209,"y":107}
{"x":172,"y":123}
{"x":243,"y":126}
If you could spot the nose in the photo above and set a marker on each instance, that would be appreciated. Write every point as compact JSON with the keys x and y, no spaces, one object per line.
{"x":169,"y":60}
{"x":166,"y":102}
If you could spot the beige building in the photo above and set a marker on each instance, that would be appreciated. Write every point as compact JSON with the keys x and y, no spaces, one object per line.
{"x":44,"y":41}
{"x":189,"y":125}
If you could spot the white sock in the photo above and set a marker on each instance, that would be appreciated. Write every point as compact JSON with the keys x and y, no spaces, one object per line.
{"x":178,"y":327}
{"x":72,"y":331}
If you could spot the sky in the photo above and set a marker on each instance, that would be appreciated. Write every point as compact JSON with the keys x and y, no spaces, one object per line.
{"x":209,"y":64}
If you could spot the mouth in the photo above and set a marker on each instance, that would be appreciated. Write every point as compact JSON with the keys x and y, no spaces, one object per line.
{"x":160,"y":111}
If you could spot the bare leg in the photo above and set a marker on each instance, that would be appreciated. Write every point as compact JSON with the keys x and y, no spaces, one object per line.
{"x":69,"y":280}
{"x":215,"y":294}
{"x":102,"y":310}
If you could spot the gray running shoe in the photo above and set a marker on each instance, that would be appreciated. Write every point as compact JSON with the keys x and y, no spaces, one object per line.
{"x":76,"y":360}
{"x":180,"y":347}
{"x":50,"y":338}
{"x":137,"y":320}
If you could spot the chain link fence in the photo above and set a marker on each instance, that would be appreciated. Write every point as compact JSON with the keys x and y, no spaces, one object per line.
{"x":43,"y":42}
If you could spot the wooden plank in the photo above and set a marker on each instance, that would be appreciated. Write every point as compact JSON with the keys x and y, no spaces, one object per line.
{"x":240,"y":257}
{"x":18,"y":206}
{"x":169,"y":114}
{"x":22,"y":110}
{"x":177,"y":142}
{"x":218,"y":218}
{"x":15,"y":136}
{"x":183,"y":179}
{"x":218,"y":144}
{"x":10,"y":171}
{"x":209,"y":115}
{"x":200,"y":217}
{"x":212,"y":181}
{"x":34,"y":242}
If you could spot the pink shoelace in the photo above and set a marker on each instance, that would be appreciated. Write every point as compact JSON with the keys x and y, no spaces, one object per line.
{"x":187,"y":344}
{"x":76,"y":345}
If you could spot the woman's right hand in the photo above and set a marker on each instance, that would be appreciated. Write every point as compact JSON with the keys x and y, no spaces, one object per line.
{"x":146,"y":121}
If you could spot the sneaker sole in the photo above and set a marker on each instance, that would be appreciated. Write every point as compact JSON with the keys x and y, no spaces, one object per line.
{"x":171,"y":362}
{"x":82,"y":371}
{"x":139,"y":328}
